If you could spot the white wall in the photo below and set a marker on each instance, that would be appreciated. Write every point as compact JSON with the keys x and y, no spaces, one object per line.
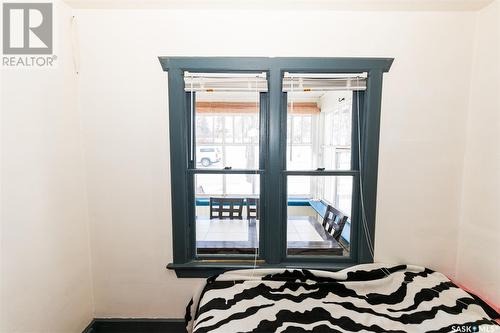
{"x":45,"y":272}
{"x":479,"y":238}
{"x":125,"y":127}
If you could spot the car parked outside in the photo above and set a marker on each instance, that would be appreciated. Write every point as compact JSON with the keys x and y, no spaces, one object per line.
{"x":206,"y":156}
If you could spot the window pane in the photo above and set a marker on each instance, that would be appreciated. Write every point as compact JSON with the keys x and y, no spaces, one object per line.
{"x":319,"y":215}
{"x":227,"y":213}
{"x":227,"y":130}
{"x":318,"y":129}
{"x":299,"y":186}
{"x":238,"y":129}
{"x":300,"y":157}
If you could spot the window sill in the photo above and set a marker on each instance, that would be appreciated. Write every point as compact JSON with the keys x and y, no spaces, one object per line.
{"x":198,"y":269}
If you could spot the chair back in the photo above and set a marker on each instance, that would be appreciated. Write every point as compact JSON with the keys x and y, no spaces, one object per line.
{"x":334,"y":221}
{"x":226,"y":208}
{"x":252,"y":208}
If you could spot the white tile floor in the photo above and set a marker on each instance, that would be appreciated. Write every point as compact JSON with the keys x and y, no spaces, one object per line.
{"x":301,"y":230}
{"x":237,"y":230}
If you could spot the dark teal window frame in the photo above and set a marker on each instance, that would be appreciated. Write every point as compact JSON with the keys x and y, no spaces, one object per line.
{"x":272,"y":166}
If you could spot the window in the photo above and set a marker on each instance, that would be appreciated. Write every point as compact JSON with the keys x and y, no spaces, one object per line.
{"x":328,"y":114}
{"x":225,"y":116}
{"x":268,"y":156}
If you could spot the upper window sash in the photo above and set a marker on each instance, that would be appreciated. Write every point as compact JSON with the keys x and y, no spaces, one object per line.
{"x":225,"y":119}
{"x":327,"y":102}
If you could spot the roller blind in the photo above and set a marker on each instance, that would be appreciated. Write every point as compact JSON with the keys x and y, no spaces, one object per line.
{"x":296,"y":82}
{"x":253,"y":82}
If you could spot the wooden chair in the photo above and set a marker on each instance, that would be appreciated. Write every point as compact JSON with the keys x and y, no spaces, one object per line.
{"x":252,"y":208}
{"x":334,"y":221}
{"x":226,"y":208}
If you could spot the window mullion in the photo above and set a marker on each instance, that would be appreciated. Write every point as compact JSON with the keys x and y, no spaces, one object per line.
{"x":274,"y":235}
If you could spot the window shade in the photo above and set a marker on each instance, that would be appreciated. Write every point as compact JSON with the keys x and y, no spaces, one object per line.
{"x":252,"y":82}
{"x":295,"y":82}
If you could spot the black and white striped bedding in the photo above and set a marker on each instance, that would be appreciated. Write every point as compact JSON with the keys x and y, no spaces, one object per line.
{"x":364,"y":298}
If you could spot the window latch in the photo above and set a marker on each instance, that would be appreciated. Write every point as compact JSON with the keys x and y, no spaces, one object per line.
{"x":228,"y":168}
{"x":320,"y":169}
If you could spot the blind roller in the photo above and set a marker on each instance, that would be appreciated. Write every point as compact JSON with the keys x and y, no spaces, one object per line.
{"x":295,"y":82}
{"x":250,"y":82}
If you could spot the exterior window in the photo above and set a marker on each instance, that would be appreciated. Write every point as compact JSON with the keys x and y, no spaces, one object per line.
{"x":269,"y":157}
{"x":328,"y":114}
{"x":299,"y":141}
{"x":308,"y":230}
{"x":225,"y":117}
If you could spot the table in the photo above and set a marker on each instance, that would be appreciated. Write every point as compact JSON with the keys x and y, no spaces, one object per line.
{"x":305,"y":236}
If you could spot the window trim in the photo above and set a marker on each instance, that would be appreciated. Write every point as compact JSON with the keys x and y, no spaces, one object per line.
{"x":274,"y":158}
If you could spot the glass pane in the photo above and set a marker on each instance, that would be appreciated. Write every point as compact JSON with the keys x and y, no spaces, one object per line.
{"x":227,"y":213}
{"x":227,"y":130}
{"x":319,"y":130}
{"x":319,"y":215}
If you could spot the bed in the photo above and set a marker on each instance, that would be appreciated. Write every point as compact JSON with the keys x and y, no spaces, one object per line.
{"x":363,"y":298}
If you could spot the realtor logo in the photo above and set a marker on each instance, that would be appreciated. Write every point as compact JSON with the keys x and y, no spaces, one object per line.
{"x":27,"y":28}
{"x":28,"y":35}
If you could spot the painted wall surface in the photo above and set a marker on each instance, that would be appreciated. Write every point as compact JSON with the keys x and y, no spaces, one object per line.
{"x":479,"y":237}
{"x":45,"y":256}
{"x":125,"y":130}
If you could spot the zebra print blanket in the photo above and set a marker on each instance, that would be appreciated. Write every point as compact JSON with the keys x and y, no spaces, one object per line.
{"x":364,"y":298}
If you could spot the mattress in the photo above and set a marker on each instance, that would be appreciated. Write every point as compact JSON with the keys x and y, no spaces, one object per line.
{"x":363,"y":298}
